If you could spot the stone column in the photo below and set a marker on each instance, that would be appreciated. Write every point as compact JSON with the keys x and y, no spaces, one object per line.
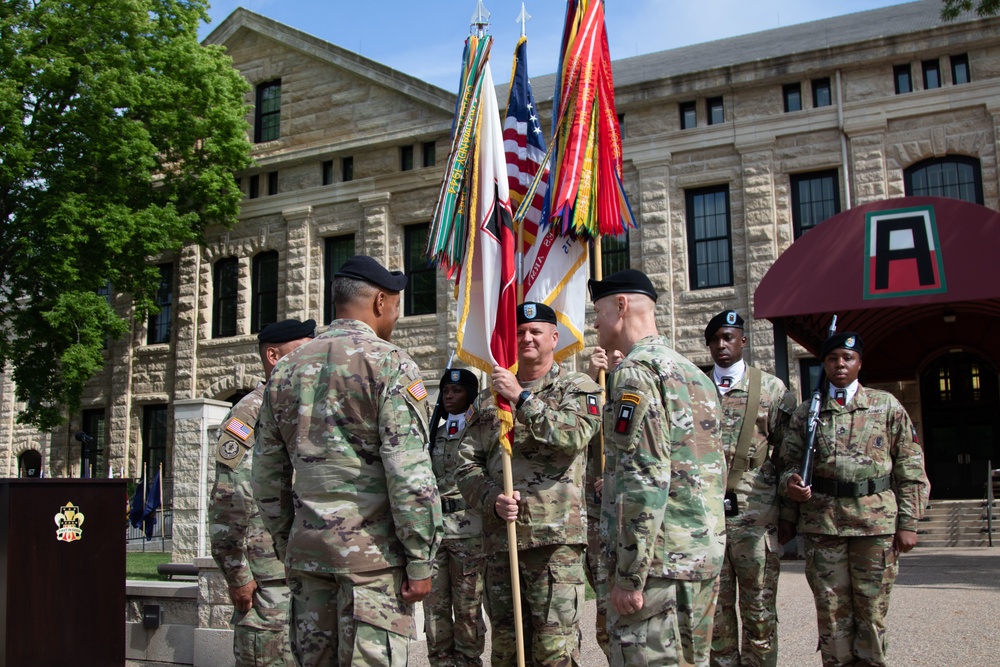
{"x":193,"y":476}
{"x":868,"y":168}
{"x":375,"y":227}
{"x":653,"y":245}
{"x":185,"y":329}
{"x":760,"y":247}
{"x":297,"y":262}
{"x":213,"y":639}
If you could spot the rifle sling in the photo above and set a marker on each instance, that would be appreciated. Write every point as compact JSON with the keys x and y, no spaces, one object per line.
{"x":742,"y":461}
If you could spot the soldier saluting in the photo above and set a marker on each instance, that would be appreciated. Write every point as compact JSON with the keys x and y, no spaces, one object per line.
{"x":868,"y":491}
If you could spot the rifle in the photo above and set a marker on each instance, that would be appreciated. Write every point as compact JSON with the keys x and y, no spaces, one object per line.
{"x":818,"y":396}
{"x":438,"y":409}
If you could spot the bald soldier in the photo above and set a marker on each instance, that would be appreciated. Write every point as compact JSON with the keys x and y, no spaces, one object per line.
{"x":240,"y":545}
{"x":662,"y":513}
{"x":868,"y":492}
{"x":343,"y":477}
{"x":555,"y":417}
{"x":756,"y":407}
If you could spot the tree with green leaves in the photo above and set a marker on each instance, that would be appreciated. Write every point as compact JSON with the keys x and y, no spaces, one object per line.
{"x":954,"y":8}
{"x":119,"y":137}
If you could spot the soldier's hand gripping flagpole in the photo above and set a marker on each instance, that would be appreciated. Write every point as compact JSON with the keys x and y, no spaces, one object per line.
{"x":812,"y":421}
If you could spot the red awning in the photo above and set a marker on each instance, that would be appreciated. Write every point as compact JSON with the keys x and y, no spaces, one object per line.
{"x":916,"y":276}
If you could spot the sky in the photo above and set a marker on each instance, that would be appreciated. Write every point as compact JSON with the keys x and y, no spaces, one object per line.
{"x":424,"y":38}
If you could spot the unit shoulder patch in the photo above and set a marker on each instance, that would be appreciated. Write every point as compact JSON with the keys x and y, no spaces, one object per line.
{"x":231,"y":451}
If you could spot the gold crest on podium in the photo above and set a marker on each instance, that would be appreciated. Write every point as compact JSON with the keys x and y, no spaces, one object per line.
{"x":69,"y":519}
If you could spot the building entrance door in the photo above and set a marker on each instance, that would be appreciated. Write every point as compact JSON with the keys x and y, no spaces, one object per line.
{"x":960,"y":402}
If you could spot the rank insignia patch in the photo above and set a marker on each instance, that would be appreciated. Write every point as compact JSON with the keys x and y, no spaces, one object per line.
{"x":624,"y":422}
{"x":878,"y":442}
{"x":592,"y":408}
{"x":239,"y":429}
{"x":418,"y":390}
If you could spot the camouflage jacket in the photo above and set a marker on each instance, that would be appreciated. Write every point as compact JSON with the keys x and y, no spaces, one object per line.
{"x":757,"y":489}
{"x":870,"y":437}
{"x":551,"y":433}
{"x":240,"y":544}
{"x":463,"y":521}
{"x":341,"y":468}
{"x":662,"y":512}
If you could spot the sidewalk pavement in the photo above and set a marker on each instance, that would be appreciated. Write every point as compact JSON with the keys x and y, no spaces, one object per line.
{"x":944,"y":612}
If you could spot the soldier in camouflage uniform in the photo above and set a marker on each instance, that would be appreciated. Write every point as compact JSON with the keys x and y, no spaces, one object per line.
{"x":750,"y":571}
{"x":662,"y":511}
{"x":556,"y":416}
{"x":597,"y":567}
{"x":868,"y":491}
{"x":343,"y":477}
{"x":453,"y":611}
{"x":240,"y":544}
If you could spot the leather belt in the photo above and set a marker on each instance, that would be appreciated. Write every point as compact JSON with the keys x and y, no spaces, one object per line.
{"x":839,"y":489}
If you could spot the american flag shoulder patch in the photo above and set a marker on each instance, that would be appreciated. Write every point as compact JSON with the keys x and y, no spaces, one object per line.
{"x":239,"y":429}
{"x":418,"y":390}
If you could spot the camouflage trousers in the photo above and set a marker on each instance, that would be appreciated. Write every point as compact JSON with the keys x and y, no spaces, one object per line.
{"x":553,"y":593}
{"x":597,"y":575}
{"x":851,"y":578}
{"x":674,"y":626}
{"x":453,"y":611}
{"x":260,"y":636}
{"x":750,"y":578}
{"x":349,"y":619}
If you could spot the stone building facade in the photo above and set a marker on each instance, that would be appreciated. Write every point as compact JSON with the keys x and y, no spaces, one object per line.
{"x":731,"y":147}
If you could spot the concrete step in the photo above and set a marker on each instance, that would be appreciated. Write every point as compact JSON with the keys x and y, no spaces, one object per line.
{"x":925,"y":541}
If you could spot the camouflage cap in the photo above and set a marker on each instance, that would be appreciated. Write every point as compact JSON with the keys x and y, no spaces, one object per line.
{"x":363,"y":267}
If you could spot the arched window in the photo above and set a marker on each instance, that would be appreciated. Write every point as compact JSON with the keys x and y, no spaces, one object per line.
{"x":954,"y":176}
{"x":29,"y":464}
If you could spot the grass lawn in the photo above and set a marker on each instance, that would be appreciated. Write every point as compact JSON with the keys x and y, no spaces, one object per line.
{"x":142,"y":565}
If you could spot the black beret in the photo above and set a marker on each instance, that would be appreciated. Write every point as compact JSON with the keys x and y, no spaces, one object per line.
{"x":529,"y":311}
{"x":286,"y":330}
{"x":363,"y":267}
{"x":629,"y":281}
{"x":463,"y":377}
{"x":849,"y":340}
{"x":727,"y":318}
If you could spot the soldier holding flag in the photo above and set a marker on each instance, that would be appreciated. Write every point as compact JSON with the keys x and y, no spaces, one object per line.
{"x":556,"y":417}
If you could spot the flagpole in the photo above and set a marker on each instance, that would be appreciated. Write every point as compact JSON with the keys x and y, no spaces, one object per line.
{"x":599,"y":275}
{"x":163,"y":532}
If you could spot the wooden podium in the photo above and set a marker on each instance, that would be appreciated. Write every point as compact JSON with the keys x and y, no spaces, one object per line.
{"x":62,"y":572}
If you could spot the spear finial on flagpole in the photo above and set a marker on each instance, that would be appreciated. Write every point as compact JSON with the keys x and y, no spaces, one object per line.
{"x":480,"y":19}
{"x":523,"y":19}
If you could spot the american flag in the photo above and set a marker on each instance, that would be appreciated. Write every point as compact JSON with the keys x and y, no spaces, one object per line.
{"x":524,"y":145}
{"x":239,"y":429}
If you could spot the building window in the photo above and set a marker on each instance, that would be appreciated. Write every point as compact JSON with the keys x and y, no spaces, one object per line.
{"x":901,"y":74}
{"x":338,"y":250}
{"x":709,"y":242}
{"x":689,"y":115}
{"x":254,"y":186}
{"x":406,"y":158}
{"x":792,"y":92}
{"x":239,"y":183}
{"x":226,"y":288}
{"x":327,"y":172}
{"x":822,"y":96}
{"x":264,"y":307}
{"x":94,"y":425}
{"x":716,"y":112}
{"x":347,"y":169}
{"x":960,"y":69}
{"x":954,"y":176}
{"x":154,"y":441}
{"x":621,"y":125}
{"x":428,"y":151}
{"x":272,"y":183}
{"x":158,"y":326}
{"x":267,"y":119}
{"x":420,"y":295}
{"x":932,"y":74}
{"x":614,"y":255}
{"x":815,"y":197}
{"x":809,"y":370}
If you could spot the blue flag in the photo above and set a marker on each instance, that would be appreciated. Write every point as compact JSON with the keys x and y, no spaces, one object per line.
{"x":151,"y":505}
{"x":137,"y":504}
